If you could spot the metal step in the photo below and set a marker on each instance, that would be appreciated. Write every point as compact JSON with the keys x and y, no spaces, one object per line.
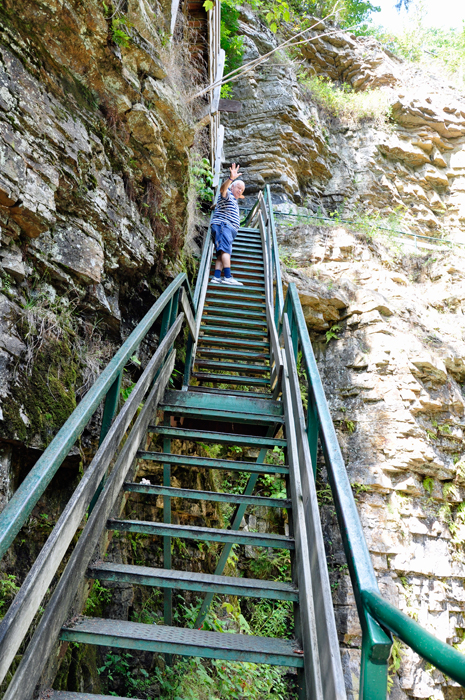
{"x":233,"y":366}
{"x":236,"y":313}
{"x":231,"y":392}
{"x":65,"y":695}
{"x":230,"y":379}
{"x":246,"y":248}
{"x":247,"y":261}
{"x":213,"y":463}
{"x":223,"y":352}
{"x":228,"y":321}
{"x":227,"y":342}
{"x":176,"y":640}
{"x":216,"y":438}
{"x":224,"y":289}
{"x":222,"y":416}
{"x":255,"y":240}
{"x":243,"y":305}
{"x":249,"y":279}
{"x":192,"y":581}
{"x":252,"y":408}
{"x":204,"y":534}
{"x":215,"y":496}
{"x":212,"y":327}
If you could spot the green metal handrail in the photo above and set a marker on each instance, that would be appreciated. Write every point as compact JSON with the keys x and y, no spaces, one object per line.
{"x":377,"y":616}
{"x":19,"y":508}
{"x":439,"y":654}
{"x":375,"y":613}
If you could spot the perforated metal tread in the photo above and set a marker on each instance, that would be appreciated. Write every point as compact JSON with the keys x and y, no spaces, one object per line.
{"x":207,"y":534}
{"x":216,"y":438}
{"x":213,"y":463}
{"x":175,"y":640}
{"x":192,"y":581}
{"x":215,"y":496}
{"x":233,"y":366}
{"x":240,"y":380}
{"x":65,"y":695}
{"x":230,"y":392}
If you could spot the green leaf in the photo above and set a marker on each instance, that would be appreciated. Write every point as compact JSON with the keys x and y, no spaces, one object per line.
{"x":274,"y":27}
{"x":208,"y":5}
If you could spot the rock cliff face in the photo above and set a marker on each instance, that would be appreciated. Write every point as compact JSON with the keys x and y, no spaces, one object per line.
{"x":387,"y":320}
{"x":415,"y":166}
{"x":94,"y":188}
{"x":393,"y":366}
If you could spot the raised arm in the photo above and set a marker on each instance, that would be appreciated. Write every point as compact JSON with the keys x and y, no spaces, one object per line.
{"x":233,"y":175}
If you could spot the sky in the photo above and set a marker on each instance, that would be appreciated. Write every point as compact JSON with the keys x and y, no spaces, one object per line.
{"x":445,"y":13}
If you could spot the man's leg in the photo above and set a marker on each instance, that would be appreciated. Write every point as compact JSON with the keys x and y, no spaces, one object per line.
{"x":218,"y":267}
{"x":226,"y":263}
{"x":228,"y":278}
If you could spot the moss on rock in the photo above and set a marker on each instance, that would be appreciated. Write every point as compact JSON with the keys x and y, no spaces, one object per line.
{"x":44,"y":399}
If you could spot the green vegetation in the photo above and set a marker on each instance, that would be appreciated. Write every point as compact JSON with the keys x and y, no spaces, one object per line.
{"x":359,"y":488}
{"x":331,"y":333}
{"x":349,"y":13}
{"x":290,"y":16}
{"x":428,"y":484}
{"x":197,"y":679}
{"x":395,"y":660}
{"x":201,"y":176}
{"x":343,"y":102}
{"x":96,"y":599}
{"x":62,"y":359}
{"x":287,"y":259}
{"x":8,"y":590}
{"x":230,"y":41}
{"x":435,"y":48}
{"x":118,"y":25}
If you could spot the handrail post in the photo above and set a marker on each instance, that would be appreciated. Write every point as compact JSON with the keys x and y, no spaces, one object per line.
{"x":174,"y":308}
{"x":313,"y":423}
{"x":373,"y":664}
{"x":165,"y":321}
{"x":279,"y":301}
{"x":111,"y":404}
{"x":109,"y":411}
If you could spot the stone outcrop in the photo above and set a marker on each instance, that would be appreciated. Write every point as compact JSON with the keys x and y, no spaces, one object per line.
{"x":94,"y":176}
{"x":390,"y":348}
{"x":387,"y":320}
{"x":412,"y":167}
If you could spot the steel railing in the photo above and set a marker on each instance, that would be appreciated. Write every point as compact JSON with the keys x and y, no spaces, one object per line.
{"x":377,"y":616}
{"x":15,"y":625}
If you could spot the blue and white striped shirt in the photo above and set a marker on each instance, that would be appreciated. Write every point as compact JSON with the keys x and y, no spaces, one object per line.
{"x":227,"y":211}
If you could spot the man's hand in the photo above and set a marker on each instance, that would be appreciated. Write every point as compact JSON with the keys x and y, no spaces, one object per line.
{"x":233,"y":170}
{"x":234,"y":174}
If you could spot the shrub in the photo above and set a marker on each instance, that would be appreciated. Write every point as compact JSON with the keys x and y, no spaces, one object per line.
{"x":343,"y":102}
{"x":438,"y":50}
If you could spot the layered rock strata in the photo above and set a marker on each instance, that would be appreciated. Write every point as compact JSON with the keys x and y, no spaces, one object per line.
{"x":94,"y":179}
{"x":412,"y":167}
{"x":389,"y":337}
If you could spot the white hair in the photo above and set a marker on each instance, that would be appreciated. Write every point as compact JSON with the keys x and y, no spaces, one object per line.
{"x":237,"y":182}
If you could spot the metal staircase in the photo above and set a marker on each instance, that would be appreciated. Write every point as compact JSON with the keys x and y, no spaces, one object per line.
{"x":241,"y":389}
{"x":228,"y":402}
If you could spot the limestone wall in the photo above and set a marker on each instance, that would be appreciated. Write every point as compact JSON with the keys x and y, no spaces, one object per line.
{"x":387,"y":320}
{"x":94,"y":188}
